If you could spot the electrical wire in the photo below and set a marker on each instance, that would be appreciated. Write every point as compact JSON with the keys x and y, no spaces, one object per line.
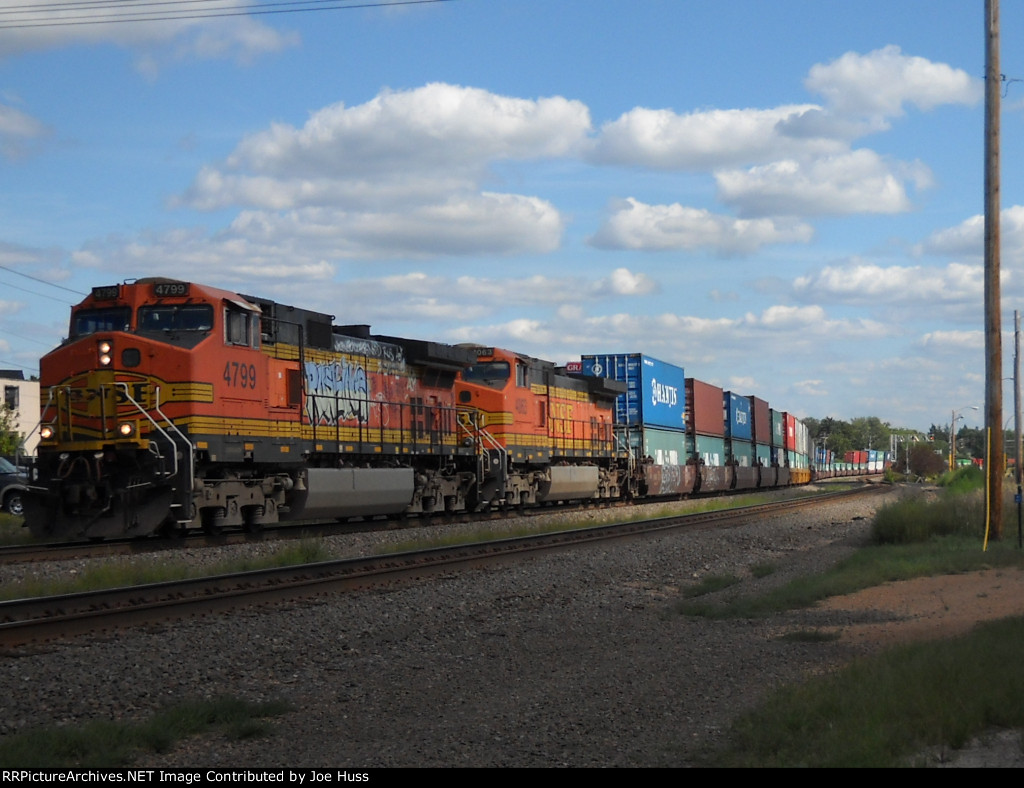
{"x":42,"y":282}
{"x":26,"y":339}
{"x":37,"y":13}
{"x":9,"y":364}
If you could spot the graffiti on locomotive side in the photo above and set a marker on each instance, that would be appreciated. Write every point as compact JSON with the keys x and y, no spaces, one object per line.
{"x":336,"y":392}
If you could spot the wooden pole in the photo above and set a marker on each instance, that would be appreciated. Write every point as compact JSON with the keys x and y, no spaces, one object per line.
{"x":1018,"y":440}
{"x":993,"y":319}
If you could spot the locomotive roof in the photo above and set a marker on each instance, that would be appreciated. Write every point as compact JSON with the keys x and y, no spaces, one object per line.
{"x":319,"y":329}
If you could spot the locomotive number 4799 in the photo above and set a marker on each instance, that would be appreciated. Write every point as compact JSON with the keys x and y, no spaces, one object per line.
{"x":240,"y":374}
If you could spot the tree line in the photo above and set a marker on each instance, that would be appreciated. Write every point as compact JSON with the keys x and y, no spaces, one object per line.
{"x":927,"y":452}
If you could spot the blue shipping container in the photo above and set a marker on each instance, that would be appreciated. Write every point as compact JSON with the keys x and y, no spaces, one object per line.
{"x":655,"y":391}
{"x":738,"y":422}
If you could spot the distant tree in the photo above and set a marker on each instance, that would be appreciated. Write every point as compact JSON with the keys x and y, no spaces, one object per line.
{"x":10,"y":438}
{"x":870,"y":432}
{"x":925,"y":460}
{"x":970,"y":442}
{"x":842,"y":438}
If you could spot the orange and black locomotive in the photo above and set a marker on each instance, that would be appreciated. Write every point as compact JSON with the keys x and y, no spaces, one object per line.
{"x":174,"y":405}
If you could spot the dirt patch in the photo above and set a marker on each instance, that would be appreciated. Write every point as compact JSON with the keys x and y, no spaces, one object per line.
{"x":941,"y":607}
{"x":932,"y":607}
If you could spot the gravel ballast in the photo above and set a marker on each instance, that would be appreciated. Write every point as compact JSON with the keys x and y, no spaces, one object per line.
{"x":571,"y":659}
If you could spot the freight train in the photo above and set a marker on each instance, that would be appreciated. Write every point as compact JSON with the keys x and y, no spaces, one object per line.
{"x":173,"y":405}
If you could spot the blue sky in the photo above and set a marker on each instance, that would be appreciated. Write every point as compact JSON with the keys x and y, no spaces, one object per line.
{"x":784,"y":198}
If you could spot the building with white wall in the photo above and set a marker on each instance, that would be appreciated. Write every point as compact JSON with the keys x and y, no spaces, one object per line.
{"x":22,"y":397}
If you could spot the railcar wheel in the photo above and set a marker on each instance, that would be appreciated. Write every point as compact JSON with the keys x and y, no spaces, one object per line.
{"x":252,"y":519}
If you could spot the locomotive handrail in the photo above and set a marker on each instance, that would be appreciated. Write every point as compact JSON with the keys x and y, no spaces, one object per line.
{"x":480,"y":436}
{"x":158,"y":428}
{"x":184,"y":438}
{"x":39,"y":424}
{"x":621,"y":435}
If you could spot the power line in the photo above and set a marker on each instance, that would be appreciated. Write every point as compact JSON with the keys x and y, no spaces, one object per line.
{"x":26,"y":339}
{"x":19,"y":366}
{"x":42,"y":282}
{"x":37,"y":13}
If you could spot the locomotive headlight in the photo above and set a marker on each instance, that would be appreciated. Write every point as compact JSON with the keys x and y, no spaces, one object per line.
{"x":105,"y":350}
{"x":46,"y":432}
{"x":126,"y":428}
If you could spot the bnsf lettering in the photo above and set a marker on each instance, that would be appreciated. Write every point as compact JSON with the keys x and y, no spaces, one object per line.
{"x":560,"y":410}
{"x":663,"y":394}
{"x":137,"y":391}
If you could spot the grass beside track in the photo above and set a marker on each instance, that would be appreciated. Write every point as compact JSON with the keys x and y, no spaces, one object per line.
{"x":882,"y":711}
{"x":110,"y":743}
{"x":140,"y":572}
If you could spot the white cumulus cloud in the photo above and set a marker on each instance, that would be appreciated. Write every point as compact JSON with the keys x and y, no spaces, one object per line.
{"x":856,"y":182}
{"x":883,"y":81}
{"x":413,"y":144}
{"x":662,"y":139}
{"x":636,"y":225}
{"x":871,"y":284}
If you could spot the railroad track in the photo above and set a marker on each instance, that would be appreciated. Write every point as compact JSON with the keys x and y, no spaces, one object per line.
{"x":62,"y":551}
{"x":39,"y":619}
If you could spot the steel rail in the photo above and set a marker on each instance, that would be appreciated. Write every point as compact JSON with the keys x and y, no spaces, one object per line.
{"x":24,"y":621}
{"x":59,"y":551}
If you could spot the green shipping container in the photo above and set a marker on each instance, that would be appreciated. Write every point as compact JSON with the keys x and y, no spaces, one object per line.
{"x":707,"y":448}
{"x":665,"y":447}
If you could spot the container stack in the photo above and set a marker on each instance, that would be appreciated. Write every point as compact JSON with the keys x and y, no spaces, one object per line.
{"x":739,"y":440}
{"x":650,"y":417}
{"x":705,"y":434}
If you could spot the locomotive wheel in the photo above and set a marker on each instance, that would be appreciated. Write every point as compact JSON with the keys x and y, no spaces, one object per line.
{"x":171,"y":528}
{"x":213,"y":520}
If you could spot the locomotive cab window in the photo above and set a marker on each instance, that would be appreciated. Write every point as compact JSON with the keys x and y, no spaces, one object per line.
{"x":89,"y":321}
{"x":196,"y":317}
{"x":487,"y":373}
{"x":183,"y":317}
{"x":241,"y":327}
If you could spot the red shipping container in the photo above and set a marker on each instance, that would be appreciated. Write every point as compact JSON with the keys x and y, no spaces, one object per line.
{"x":762,"y":421}
{"x":790,"y":432}
{"x":705,"y":414}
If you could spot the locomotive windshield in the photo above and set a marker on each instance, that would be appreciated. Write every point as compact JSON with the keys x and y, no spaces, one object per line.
{"x":487,"y":373}
{"x":185,"y":317}
{"x":89,"y":321}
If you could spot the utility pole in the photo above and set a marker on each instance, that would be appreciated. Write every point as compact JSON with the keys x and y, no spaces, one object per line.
{"x":1018,"y":441}
{"x":993,"y":320}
